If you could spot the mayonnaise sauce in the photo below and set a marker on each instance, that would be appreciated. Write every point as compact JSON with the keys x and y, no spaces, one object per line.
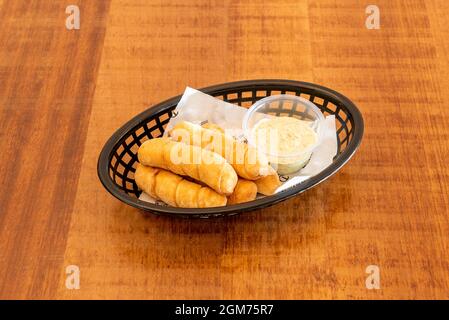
{"x":286,"y":141}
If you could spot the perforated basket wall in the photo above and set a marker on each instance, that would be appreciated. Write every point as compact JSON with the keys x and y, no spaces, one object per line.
{"x":118,"y":159}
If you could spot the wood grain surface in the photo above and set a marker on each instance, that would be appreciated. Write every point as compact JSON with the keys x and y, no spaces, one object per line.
{"x":63,"y":93}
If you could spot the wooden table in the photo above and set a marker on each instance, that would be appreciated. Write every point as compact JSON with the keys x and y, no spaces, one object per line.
{"x":64,"y":92}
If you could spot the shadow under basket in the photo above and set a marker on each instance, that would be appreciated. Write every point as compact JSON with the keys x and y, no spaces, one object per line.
{"x":118,"y":159}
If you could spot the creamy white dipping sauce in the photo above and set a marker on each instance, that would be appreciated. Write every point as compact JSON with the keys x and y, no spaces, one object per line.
{"x":285,"y":141}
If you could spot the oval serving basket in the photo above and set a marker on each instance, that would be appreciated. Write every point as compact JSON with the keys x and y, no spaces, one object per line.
{"x":118,"y":159}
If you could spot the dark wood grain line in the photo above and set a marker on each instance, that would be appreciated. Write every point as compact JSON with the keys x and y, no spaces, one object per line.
{"x":49,"y":82}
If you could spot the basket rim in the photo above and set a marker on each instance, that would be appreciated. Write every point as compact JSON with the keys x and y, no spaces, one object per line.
{"x":341,"y":159}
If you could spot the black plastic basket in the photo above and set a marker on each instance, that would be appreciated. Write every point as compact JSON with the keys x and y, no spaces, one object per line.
{"x":118,"y":159}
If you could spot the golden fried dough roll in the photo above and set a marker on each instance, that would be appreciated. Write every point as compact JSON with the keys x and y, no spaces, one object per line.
{"x":213,"y":126}
{"x":245,"y":190}
{"x":202,"y":165}
{"x":246,"y":161}
{"x":174,"y":190}
{"x":268,"y":185}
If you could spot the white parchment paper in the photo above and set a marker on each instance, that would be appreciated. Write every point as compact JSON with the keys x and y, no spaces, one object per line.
{"x":198,"y":107}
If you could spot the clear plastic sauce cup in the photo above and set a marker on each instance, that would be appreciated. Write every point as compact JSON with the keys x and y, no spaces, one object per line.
{"x":286,"y":129}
